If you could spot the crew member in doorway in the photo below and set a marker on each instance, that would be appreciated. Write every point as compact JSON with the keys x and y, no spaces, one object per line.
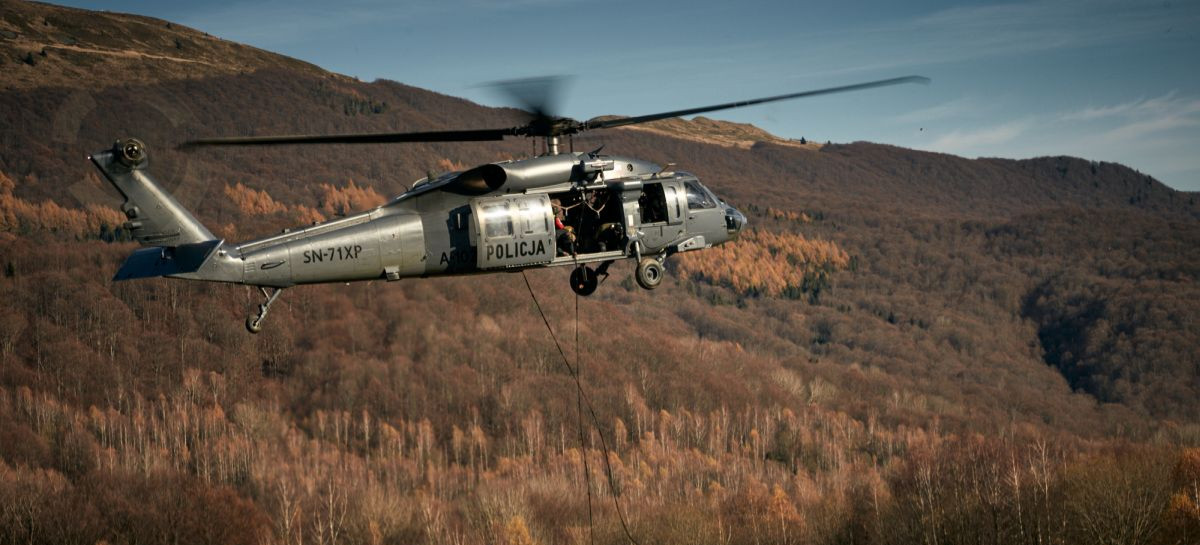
{"x":564,"y":234}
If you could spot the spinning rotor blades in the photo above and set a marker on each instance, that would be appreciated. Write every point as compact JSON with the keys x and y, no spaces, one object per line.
{"x":537,"y":95}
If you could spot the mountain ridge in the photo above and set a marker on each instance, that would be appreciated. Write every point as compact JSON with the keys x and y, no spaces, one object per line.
{"x":44,"y":44}
{"x":107,"y":33}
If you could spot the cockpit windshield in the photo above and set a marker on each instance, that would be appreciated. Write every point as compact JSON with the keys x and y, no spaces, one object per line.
{"x":697,"y":197}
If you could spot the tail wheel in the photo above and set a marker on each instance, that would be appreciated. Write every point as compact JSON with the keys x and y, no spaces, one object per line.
{"x":584,"y":280}
{"x":649,"y":273}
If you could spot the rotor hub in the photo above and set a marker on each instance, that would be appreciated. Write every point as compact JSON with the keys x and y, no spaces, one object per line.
{"x":131,"y":152}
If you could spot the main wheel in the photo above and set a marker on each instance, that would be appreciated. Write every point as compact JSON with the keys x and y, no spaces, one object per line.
{"x":649,"y":273}
{"x":584,"y":281}
{"x":252,"y":324}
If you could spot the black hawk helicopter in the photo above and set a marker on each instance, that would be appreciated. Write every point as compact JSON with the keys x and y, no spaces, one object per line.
{"x":557,"y":209}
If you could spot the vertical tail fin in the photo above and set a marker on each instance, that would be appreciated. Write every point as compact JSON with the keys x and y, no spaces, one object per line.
{"x":155,"y":217}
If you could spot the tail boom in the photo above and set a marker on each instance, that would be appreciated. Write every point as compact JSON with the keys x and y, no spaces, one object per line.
{"x":155,"y":217}
{"x":179,"y":246}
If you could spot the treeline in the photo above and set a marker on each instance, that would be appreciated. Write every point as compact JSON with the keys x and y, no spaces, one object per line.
{"x":359,"y":417}
{"x":334,"y":201}
{"x":164,"y":469}
{"x":766,"y":263}
{"x":21,"y":217}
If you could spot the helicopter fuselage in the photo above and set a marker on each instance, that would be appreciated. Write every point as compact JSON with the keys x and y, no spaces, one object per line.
{"x":568,"y":209}
{"x":436,"y":230}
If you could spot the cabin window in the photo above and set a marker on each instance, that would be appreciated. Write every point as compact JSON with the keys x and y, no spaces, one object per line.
{"x":697,"y":198}
{"x":497,"y":221}
{"x":533,"y":218}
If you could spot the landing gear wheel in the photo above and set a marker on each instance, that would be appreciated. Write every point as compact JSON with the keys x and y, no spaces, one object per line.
{"x":254,"y":323}
{"x":649,"y":273}
{"x":584,"y":280}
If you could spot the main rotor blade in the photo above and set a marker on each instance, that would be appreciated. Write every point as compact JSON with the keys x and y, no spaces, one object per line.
{"x":371,"y":138}
{"x":690,"y":111}
{"x":539,"y":95}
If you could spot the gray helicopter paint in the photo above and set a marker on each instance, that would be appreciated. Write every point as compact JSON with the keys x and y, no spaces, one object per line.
{"x":434,"y":229}
{"x":221,"y":266}
{"x":155,"y":217}
{"x":512,"y":230}
{"x":710,"y":221}
{"x":445,"y":222}
{"x":660,"y":234}
{"x":402,"y":246}
{"x":539,"y":172}
{"x":166,"y":260}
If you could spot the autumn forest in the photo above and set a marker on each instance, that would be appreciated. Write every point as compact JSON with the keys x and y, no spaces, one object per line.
{"x":903,"y":347}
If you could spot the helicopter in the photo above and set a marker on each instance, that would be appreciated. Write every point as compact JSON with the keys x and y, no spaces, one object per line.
{"x":583,"y":210}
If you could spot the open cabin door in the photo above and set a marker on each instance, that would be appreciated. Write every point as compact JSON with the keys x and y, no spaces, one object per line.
{"x":676,"y":202}
{"x":512,"y":231}
{"x":662,"y":206}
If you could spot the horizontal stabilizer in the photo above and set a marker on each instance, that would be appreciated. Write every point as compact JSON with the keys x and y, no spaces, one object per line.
{"x":166,"y":261}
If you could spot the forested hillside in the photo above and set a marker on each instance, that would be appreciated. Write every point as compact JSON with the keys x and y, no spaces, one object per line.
{"x":904,"y":347}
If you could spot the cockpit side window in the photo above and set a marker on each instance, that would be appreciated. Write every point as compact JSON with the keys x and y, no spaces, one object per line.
{"x":697,"y":197}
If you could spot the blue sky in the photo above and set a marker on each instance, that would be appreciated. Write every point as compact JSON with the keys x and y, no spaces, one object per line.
{"x":1100,"y":79}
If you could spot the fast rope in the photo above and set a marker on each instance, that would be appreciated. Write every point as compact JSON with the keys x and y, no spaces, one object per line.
{"x":582,"y":395}
{"x":587,"y":472}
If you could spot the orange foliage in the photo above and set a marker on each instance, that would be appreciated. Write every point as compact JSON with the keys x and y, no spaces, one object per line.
{"x":449,"y":165}
{"x":255,"y":202}
{"x":764,"y":262}
{"x":1184,"y":508}
{"x":339,"y":201}
{"x":799,"y":217}
{"x":783,"y":512}
{"x":19,"y":215}
{"x":252,"y":201}
{"x":307,"y":214}
{"x":516,"y":532}
{"x":1188,"y":469}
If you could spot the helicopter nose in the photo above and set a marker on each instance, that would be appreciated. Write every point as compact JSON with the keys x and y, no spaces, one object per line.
{"x":735,"y":221}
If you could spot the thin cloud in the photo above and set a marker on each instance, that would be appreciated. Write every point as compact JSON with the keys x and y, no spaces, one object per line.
{"x":979,"y":141}
{"x":947,"y":110}
{"x":1169,"y":105}
{"x":1135,"y":120}
{"x":1140,"y":129}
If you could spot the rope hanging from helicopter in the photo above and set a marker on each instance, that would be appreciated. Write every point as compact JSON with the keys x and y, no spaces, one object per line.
{"x":582,"y":400}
